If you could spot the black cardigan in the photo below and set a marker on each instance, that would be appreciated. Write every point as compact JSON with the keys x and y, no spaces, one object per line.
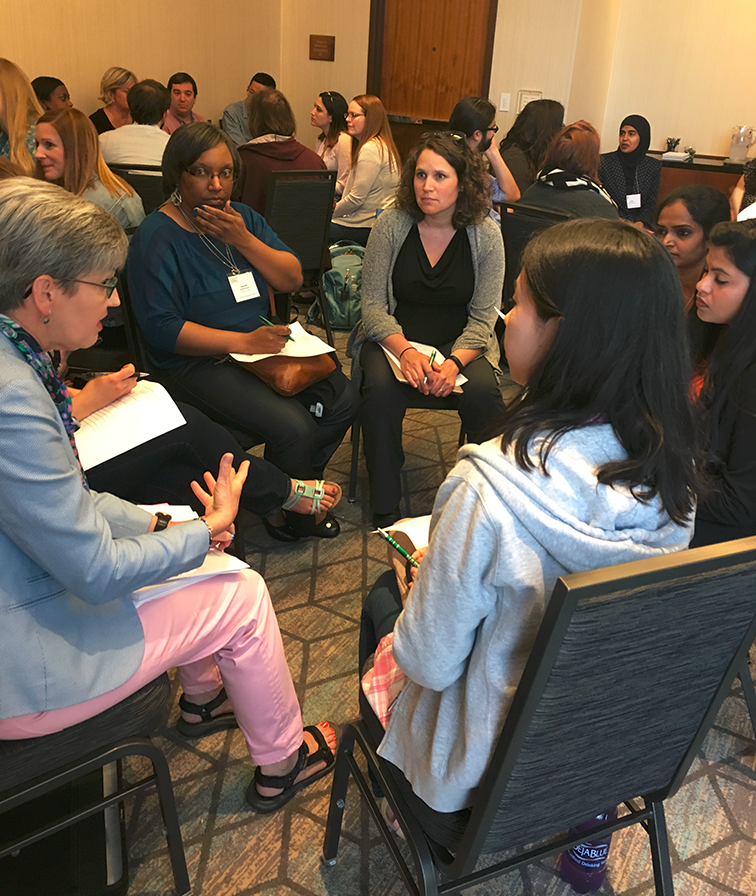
{"x":647,"y":174}
{"x":728,"y":510}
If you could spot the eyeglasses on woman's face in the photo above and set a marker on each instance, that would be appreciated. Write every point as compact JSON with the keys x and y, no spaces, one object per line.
{"x":199,"y":172}
{"x":350,"y":115}
{"x":108,"y":285}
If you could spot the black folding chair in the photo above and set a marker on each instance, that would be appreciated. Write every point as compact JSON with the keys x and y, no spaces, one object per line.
{"x":299,"y":208}
{"x":627,"y":673}
{"x":147,"y":181}
{"x":519,"y":223}
{"x":33,"y":769}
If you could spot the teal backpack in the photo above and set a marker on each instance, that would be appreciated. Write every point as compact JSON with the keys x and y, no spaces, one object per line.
{"x":341,"y":286}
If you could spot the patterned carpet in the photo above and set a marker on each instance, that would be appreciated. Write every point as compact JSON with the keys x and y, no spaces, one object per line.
{"x":317,"y":589}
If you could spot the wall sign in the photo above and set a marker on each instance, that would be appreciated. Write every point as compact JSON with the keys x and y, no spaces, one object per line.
{"x":322,"y":46}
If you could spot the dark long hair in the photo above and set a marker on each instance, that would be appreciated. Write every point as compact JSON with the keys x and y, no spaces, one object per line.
{"x":336,"y":106}
{"x":473,"y":200}
{"x":619,"y":355}
{"x":533,"y":130}
{"x":735,"y":348}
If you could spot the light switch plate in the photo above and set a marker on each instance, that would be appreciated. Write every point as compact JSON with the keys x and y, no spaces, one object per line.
{"x":504,"y":102}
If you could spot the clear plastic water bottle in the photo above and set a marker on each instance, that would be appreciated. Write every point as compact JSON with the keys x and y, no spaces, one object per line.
{"x":584,"y":866}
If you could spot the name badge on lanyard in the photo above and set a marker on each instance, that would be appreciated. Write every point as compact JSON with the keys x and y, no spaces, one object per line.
{"x":243,"y":286}
{"x":633,"y":200}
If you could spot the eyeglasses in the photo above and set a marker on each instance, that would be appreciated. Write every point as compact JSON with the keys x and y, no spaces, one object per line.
{"x":349,"y":115}
{"x":494,"y":128}
{"x":204,"y":174}
{"x":108,"y":285}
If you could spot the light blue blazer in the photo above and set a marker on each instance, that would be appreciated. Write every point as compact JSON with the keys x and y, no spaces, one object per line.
{"x":69,"y":560}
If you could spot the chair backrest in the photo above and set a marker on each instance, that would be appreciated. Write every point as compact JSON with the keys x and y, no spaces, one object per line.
{"x":299,"y":208}
{"x":147,"y":181}
{"x":627,"y":673}
{"x":134,"y":336}
{"x":519,"y":223}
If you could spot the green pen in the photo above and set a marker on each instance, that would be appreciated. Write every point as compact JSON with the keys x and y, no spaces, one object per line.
{"x":398,"y":547}
{"x":432,"y":357}
{"x":269,"y":323}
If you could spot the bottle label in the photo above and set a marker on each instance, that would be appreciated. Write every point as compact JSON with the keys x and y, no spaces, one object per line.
{"x":591,"y":856}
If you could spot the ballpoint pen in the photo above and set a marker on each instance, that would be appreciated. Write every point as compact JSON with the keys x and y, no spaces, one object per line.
{"x":269,"y":323}
{"x":398,"y":547}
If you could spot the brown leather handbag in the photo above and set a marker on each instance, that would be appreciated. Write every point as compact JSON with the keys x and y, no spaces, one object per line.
{"x":288,"y":376}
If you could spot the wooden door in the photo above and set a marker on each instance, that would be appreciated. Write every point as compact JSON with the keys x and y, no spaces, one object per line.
{"x":424,"y":56}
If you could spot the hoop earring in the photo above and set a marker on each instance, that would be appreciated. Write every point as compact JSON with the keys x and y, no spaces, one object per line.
{"x":176,"y":198}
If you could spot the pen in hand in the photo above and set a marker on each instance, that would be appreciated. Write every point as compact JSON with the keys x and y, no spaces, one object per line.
{"x":269,"y":323}
{"x":398,"y":547}
{"x":432,"y":358}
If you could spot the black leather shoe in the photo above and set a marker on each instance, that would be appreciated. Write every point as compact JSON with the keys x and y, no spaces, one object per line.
{"x":281,"y":533}
{"x":386,"y":520}
{"x":305,"y":526}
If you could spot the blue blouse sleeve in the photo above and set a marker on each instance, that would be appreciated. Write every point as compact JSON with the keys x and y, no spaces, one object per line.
{"x":175,"y":278}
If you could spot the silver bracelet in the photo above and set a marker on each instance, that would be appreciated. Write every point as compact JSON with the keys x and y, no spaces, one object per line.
{"x":209,"y":532}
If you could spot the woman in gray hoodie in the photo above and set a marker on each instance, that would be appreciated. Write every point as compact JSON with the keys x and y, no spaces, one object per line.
{"x":592,"y":466}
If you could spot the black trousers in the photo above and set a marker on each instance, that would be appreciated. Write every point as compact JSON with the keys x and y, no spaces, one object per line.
{"x":296,"y":441}
{"x":379,"y":614}
{"x":384,"y":403}
{"x":162,"y":469}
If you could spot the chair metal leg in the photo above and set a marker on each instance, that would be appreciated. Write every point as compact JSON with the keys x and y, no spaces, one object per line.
{"x":170,"y":818}
{"x":352,"y":497}
{"x":749,"y":692}
{"x":338,"y":796}
{"x":657,"y":833}
{"x":320,"y":292}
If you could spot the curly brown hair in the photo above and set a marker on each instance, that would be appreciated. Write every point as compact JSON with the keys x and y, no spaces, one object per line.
{"x":475,"y":185}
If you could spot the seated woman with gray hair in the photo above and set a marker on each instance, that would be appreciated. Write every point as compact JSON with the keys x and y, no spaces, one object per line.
{"x":74,"y":641}
{"x":272,"y":148}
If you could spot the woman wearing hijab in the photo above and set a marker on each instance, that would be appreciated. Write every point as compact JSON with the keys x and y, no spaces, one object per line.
{"x":629,"y":176}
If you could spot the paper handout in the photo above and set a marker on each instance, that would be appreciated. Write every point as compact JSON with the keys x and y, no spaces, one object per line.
{"x":146,"y":412}
{"x":305,"y":345}
{"x":216,"y":563}
{"x":427,"y":350}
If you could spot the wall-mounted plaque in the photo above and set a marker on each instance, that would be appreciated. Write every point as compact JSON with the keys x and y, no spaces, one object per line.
{"x":322,"y":46}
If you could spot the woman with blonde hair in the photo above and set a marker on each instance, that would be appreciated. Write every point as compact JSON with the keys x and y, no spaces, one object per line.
{"x":19,"y":110}
{"x":376,"y":165}
{"x":114,"y":88}
{"x":68,"y":153}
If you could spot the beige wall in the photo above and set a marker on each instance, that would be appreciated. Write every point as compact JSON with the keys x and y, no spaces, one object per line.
{"x":690,"y":74}
{"x":78,"y":39}
{"x":303,"y":78}
{"x":594,"y":58}
{"x":534,"y":49}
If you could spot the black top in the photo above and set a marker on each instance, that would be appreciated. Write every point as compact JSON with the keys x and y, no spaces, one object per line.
{"x":432,"y":301}
{"x":749,"y":181}
{"x":647,"y":177}
{"x":728,"y":509}
{"x":101,"y":121}
{"x":520,"y":167}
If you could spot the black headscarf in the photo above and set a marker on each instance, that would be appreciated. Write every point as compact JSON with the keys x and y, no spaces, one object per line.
{"x":630,"y":160}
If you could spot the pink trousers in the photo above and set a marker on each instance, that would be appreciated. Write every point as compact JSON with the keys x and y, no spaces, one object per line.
{"x":218,"y":632}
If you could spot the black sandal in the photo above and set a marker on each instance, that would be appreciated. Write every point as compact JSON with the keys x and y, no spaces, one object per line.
{"x":266,"y":804}
{"x":210,"y":723}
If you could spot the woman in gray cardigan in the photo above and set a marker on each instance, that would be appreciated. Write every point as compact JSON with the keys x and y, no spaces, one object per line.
{"x":432,"y":275}
{"x":75,"y":638}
